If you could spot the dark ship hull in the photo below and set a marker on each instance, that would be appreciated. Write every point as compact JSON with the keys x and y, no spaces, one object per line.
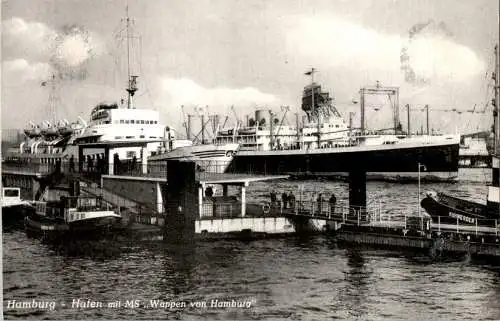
{"x":55,"y":229}
{"x":394,"y":160}
{"x":447,"y":209}
{"x":14,"y":216}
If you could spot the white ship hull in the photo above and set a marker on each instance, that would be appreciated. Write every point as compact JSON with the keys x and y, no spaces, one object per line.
{"x":208,"y":157}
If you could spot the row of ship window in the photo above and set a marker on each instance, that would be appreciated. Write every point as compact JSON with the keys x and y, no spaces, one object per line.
{"x":126,"y":121}
{"x":130,"y":137}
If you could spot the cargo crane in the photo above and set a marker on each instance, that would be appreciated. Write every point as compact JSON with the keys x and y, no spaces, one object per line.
{"x":381,"y":90}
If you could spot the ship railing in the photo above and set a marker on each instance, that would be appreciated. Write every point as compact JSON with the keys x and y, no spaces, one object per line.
{"x":465,"y":226}
{"x":451,"y":227}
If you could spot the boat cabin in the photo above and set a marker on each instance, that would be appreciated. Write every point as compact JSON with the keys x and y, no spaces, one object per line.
{"x":69,"y":208}
{"x":11,"y":196}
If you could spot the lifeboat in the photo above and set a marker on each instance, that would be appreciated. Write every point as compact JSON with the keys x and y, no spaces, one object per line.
{"x":65,"y":130}
{"x":49,"y":131}
{"x":32,"y":132}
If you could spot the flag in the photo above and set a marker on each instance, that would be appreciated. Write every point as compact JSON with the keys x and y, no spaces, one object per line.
{"x":310,"y":72}
{"x":43,"y":84}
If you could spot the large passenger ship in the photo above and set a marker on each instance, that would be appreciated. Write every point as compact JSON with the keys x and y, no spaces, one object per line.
{"x":323,"y":144}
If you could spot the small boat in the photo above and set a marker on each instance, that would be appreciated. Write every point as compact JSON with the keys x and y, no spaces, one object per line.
{"x":71,"y":216}
{"x":14,"y":209}
{"x":449,"y":209}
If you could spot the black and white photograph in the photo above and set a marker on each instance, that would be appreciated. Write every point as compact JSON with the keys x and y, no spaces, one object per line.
{"x":250,"y":159}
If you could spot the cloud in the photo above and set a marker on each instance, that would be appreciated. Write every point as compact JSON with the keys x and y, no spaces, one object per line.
{"x":431,"y":52}
{"x":350,"y":56}
{"x":66,"y":49}
{"x":187,"y":92}
{"x":18,"y":71}
{"x":33,"y":53}
{"x":336,"y":42}
{"x":28,"y":40}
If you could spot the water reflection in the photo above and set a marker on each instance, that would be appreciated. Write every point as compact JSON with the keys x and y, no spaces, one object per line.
{"x":354,"y":294}
{"x":178,"y":268}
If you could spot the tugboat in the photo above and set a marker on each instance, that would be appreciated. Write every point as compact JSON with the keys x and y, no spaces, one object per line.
{"x":451,"y":209}
{"x":71,"y":216}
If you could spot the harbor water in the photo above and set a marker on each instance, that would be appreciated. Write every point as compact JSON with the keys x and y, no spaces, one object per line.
{"x":297,"y":278}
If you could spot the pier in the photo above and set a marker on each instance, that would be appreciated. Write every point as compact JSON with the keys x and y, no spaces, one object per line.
{"x":177,"y":206}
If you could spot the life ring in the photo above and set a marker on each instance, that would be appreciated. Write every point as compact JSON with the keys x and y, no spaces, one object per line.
{"x":266,"y":208}
{"x":229,"y":153}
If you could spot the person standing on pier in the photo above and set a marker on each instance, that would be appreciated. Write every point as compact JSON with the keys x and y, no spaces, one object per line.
{"x":273,"y":197}
{"x":284,"y":200}
{"x":71,"y":164}
{"x":291,"y":200}
{"x":102,"y":165}
{"x":209,"y":192}
{"x":319,"y":200}
{"x":98,"y":164}
{"x":333,"y":202}
{"x":90,"y":165}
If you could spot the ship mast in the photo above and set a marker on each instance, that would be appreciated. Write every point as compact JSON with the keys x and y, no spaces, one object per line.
{"x":493,"y":201}
{"x":52,"y":98}
{"x":314,"y":111}
{"x":132,"y":80}
{"x":496,"y":101}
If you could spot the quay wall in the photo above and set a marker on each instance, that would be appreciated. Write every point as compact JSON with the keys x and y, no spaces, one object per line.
{"x":434,"y":245}
{"x":383,"y":240}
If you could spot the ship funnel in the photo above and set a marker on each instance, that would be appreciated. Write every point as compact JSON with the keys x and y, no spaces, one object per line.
{"x":262,"y":117}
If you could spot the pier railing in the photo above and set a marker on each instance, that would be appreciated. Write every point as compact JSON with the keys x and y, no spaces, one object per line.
{"x":478,"y":227}
{"x":332,"y":211}
{"x":28,"y":167}
{"x":96,"y":168}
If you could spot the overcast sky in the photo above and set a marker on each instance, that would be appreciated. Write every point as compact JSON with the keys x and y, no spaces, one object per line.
{"x":250,"y":54}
